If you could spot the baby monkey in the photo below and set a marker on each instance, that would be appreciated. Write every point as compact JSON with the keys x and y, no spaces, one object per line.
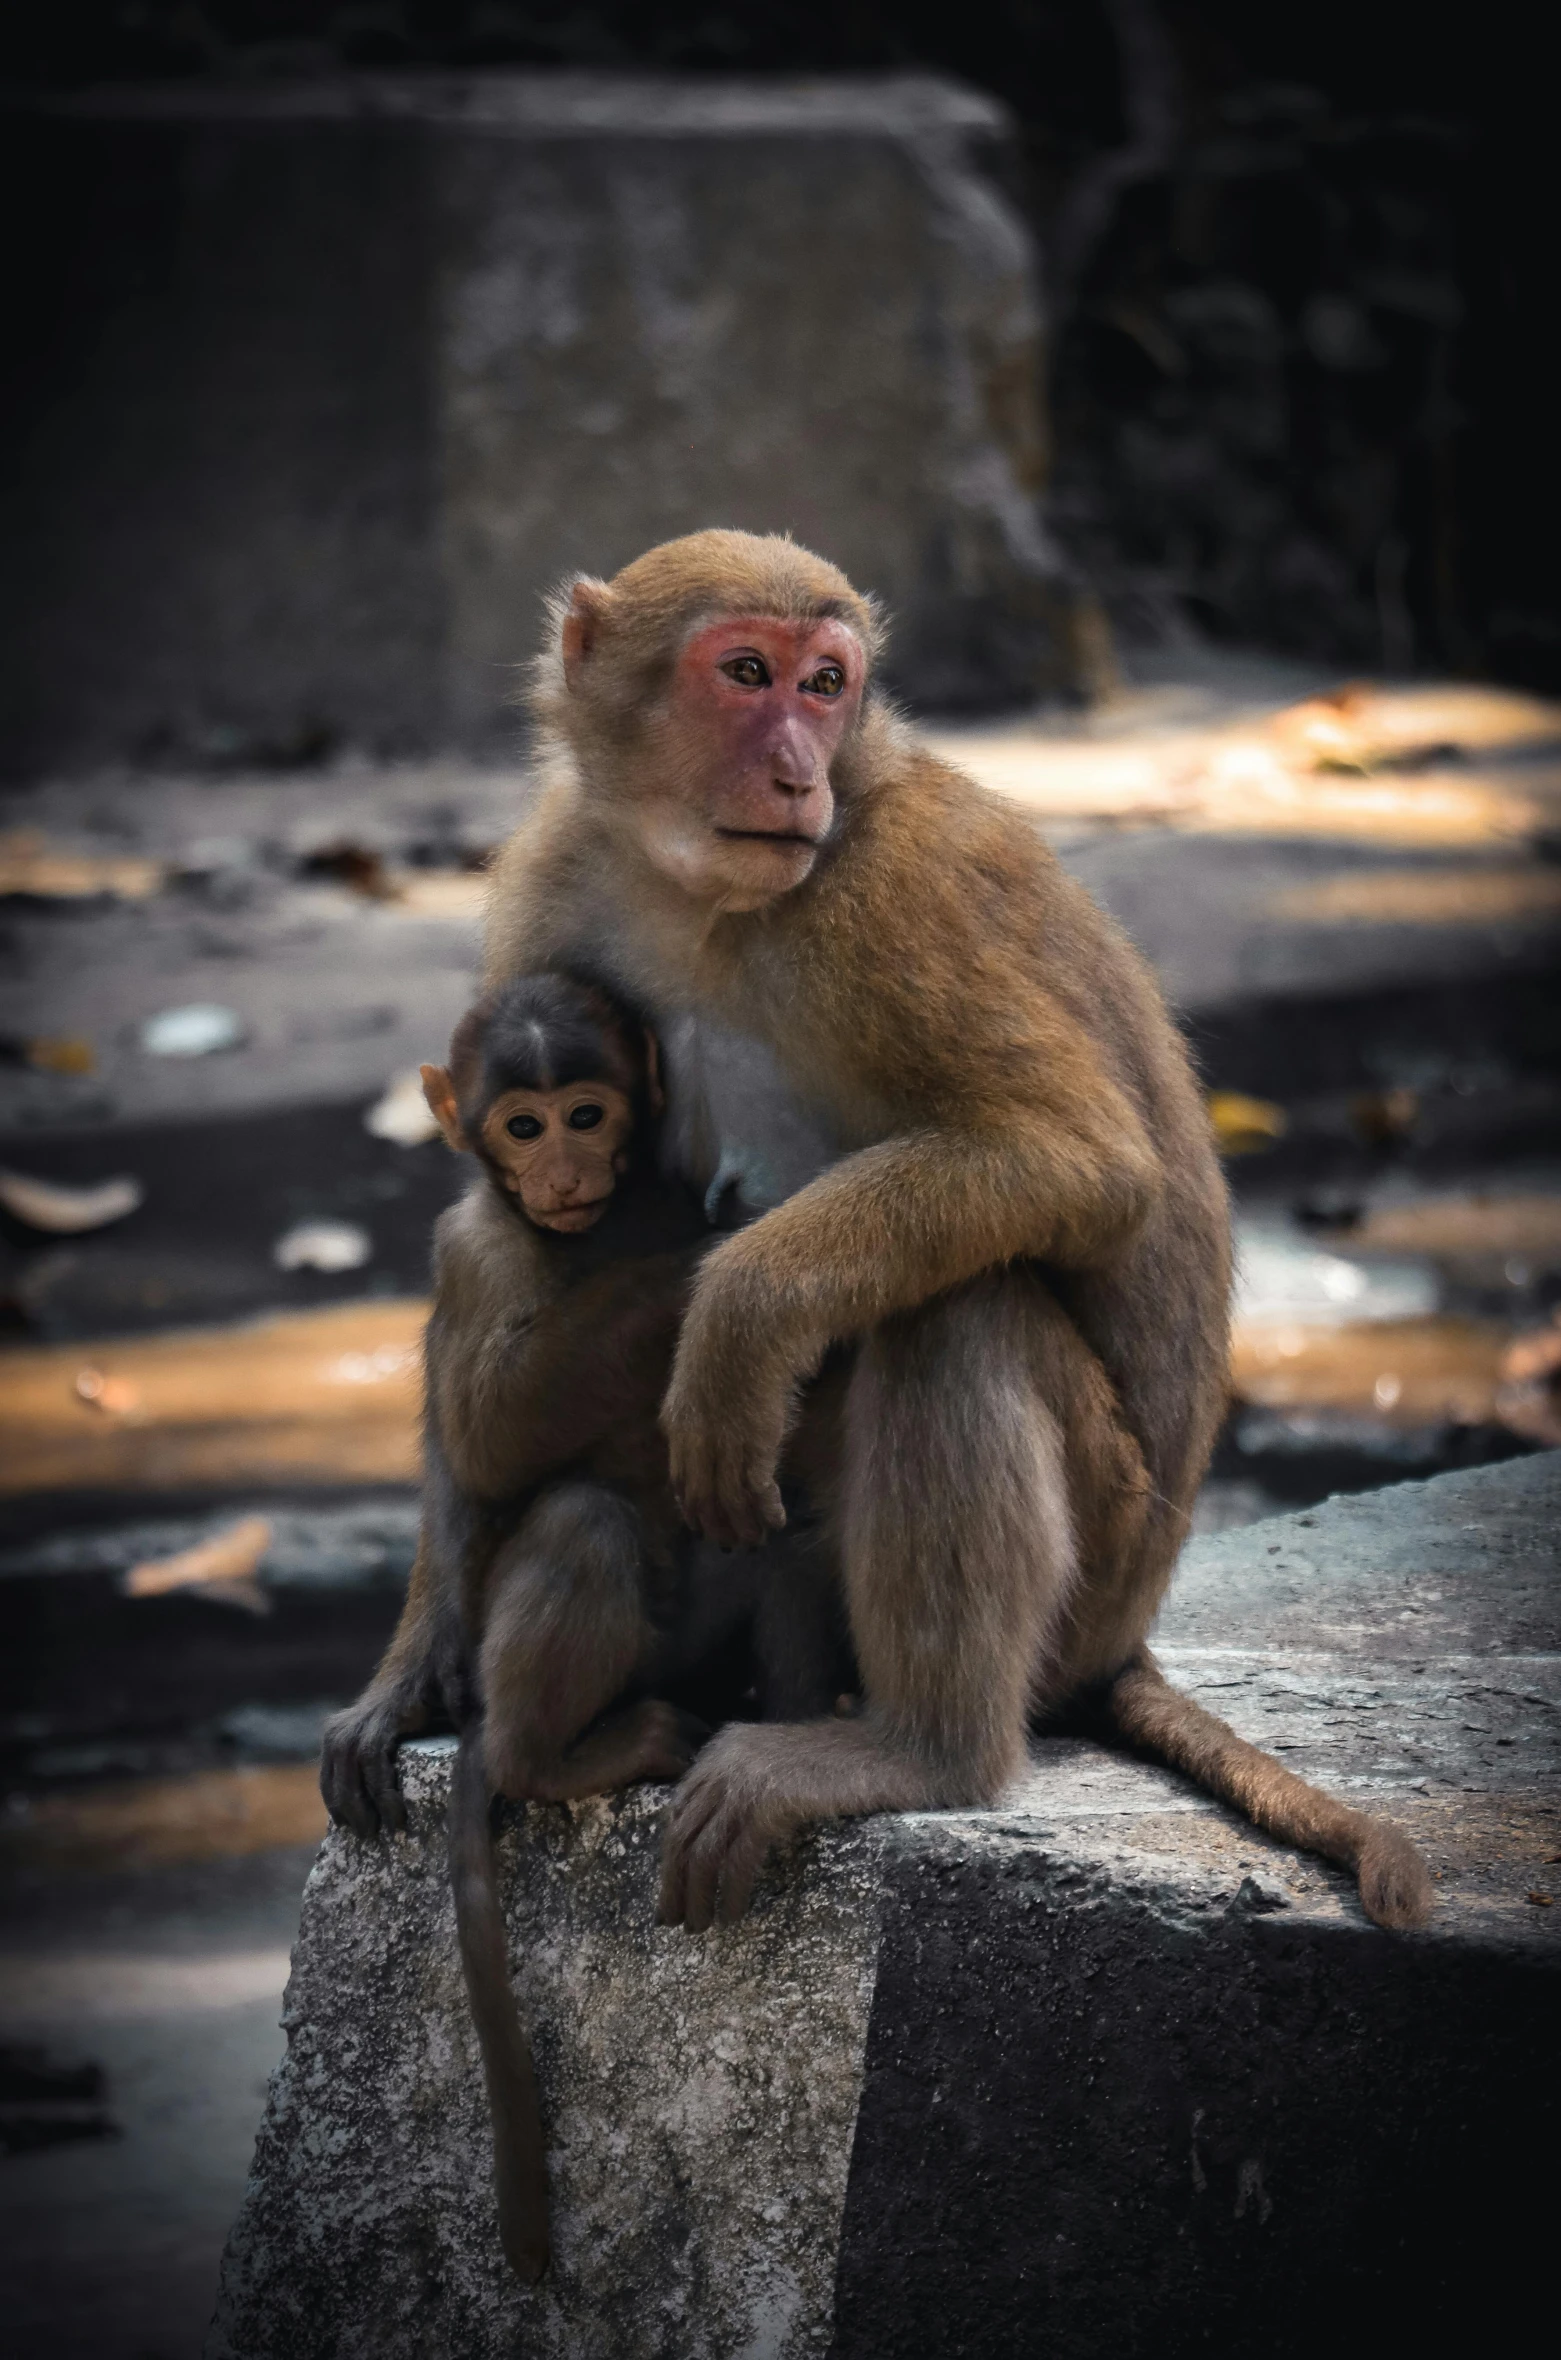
{"x":585,"y":1608}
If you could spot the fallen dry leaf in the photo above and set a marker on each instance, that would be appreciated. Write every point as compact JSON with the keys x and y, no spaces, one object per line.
{"x":1244,"y":1126}
{"x":1540,"y":1900}
{"x":460,"y":895}
{"x":65,"y":1211}
{"x":221,"y":1568}
{"x":59,"y":1053}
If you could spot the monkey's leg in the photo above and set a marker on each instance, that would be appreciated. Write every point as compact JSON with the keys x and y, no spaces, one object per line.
{"x":519,"y":2146}
{"x":801,"y":1644}
{"x":567,"y":1632}
{"x":959,"y":1561}
{"x":650,"y":1739}
{"x":1126,"y":1532}
{"x":426,"y":1672}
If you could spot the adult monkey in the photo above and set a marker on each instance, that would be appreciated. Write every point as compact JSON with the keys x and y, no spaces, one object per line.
{"x":1010,"y":1200}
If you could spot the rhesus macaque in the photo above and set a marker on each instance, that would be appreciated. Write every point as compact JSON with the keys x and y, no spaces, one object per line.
{"x":948,"y":1088}
{"x":571,"y":1590}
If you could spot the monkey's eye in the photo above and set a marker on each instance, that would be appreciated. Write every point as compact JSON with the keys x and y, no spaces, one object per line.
{"x":524,"y":1126}
{"x":747,"y":671}
{"x":827,"y":681}
{"x":584,"y":1118}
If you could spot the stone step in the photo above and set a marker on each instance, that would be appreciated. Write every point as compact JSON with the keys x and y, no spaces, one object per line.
{"x":1097,"y":2071}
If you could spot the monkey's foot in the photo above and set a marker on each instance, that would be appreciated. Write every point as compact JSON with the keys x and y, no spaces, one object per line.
{"x":752,"y":1787}
{"x":651,"y":1739}
{"x":725,"y":1816}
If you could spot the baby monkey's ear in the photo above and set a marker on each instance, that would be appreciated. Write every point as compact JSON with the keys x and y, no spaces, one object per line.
{"x":439,"y":1091}
{"x":653,"y":1089}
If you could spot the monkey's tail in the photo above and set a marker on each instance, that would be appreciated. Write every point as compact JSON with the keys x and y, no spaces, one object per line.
{"x":1394,"y":1886}
{"x":519,"y":2147}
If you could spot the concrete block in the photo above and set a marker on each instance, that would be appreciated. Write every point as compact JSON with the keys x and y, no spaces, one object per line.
{"x":1100,"y":2071}
{"x":321,"y":385}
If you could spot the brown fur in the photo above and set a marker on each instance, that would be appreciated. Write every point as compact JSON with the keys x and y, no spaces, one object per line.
{"x":1012,"y":1100}
{"x":1024,"y":1232}
{"x":549,"y":1537}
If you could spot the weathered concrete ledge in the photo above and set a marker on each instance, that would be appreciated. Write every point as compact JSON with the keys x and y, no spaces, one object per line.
{"x":1100,"y":2071}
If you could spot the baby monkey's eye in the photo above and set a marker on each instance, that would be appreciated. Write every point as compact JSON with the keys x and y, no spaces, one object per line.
{"x":584,"y":1118}
{"x":747,"y":671}
{"x":523,"y":1126}
{"x":827,"y":681}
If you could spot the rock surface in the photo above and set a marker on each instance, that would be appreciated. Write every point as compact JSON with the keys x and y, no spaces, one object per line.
{"x":351,"y":372}
{"x":1098,"y":2069}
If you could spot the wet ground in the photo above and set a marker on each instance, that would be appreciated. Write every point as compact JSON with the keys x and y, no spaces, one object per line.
{"x":206,"y":1521}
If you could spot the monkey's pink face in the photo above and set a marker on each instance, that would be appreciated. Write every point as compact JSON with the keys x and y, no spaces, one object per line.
{"x":756,"y":713}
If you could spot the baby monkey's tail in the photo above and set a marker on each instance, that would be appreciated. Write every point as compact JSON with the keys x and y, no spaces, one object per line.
{"x":1394,"y":1886}
{"x":519,"y":2148}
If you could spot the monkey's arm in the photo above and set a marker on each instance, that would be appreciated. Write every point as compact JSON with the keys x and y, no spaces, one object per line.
{"x":407,"y":1693}
{"x":1064,"y":1173}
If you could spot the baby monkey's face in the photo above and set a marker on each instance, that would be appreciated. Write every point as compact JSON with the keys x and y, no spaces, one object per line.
{"x":561,"y":1151}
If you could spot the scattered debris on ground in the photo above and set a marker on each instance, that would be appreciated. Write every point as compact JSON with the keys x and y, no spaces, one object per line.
{"x":1245,"y":1126}
{"x":199,"y":1030}
{"x":222,"y":1568}
{"x":64,"y":1211}
{"x":62,"y":1053}
{"x":323,"y":1245}
{"x":403,"y":1114}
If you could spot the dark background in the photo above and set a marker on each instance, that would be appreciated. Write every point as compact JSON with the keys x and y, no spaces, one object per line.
{"x":1299,"y":265}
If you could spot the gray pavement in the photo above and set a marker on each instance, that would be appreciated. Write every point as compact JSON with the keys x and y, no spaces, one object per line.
{"x":172,"y":1982}
{"x":337,"y":991}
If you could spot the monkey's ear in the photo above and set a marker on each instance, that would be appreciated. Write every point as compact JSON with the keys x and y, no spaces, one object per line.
{"x":653,"y":1089}
{"x":590,"y":603}
{"x":439,"y":1091}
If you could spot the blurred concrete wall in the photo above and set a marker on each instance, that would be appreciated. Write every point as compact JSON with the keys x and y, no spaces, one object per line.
{"x":318,"y":387}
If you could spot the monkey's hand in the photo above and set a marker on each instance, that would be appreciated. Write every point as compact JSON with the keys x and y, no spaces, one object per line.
{"x":726,"y":1815}
{"x":725,"y":1418}
{"x":358,"y":1762}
